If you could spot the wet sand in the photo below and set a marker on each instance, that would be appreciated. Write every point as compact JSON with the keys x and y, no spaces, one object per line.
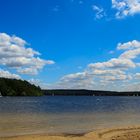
{"x":127,"y":133}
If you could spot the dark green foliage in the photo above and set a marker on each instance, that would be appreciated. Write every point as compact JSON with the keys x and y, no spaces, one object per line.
{"x":14,"y":87}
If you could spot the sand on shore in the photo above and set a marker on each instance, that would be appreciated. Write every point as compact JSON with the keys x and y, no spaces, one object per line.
{"x":128,"y":133}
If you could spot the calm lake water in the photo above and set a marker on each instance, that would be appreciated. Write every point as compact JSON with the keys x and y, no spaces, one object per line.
{"x":61,"y":114}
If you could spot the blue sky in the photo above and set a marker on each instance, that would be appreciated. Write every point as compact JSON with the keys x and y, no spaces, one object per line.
{"x":72,"y":37}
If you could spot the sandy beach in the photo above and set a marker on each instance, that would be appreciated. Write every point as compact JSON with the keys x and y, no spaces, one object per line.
{"x":128,"y":133}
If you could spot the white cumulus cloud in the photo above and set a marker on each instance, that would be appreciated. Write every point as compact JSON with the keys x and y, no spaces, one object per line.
{"x":7,"y":74}
{"x":15,"y":54}
{"x":132,"y":49}
{"x":126,"y":7}
{"x":108,"y":75}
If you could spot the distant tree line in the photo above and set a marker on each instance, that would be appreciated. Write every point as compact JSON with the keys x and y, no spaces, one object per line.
{"x":14,"y":87}
{"x":84,"y":92}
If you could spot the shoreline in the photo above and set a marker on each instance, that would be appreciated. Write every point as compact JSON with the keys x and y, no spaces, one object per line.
{"x":86,"y":92}
{"x":121,"y":133}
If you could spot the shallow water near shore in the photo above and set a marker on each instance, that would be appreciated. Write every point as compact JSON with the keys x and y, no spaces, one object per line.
{"x":66,"y":114}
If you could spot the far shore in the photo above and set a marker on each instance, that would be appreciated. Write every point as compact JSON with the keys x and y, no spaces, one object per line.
{"x":85,"y":92}
{"x":127,"y":133}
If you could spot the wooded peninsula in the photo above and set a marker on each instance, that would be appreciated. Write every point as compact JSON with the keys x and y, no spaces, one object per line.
{"x":14,"y":87}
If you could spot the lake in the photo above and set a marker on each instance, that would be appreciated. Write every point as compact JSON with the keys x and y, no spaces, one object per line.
{"x":66,"y":114}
